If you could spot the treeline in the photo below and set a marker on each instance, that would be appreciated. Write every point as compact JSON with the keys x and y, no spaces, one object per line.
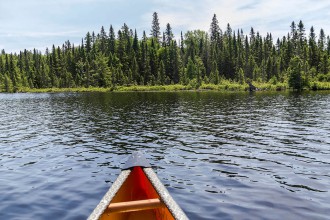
{"x":121,"y":58}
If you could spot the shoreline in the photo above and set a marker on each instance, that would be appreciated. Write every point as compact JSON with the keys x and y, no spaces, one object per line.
{"x":227,"y":87}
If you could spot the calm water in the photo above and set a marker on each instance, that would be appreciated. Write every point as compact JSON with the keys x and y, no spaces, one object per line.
{"x":221,"y":156}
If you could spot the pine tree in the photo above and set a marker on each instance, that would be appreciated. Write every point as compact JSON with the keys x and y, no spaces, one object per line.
{"x":155,"y":28}
{"x":153,"y":59}
{"x":161,"y":73}
{"x":241,"y":77}
{"x":214,"y":75}
{"x":321,"y":41}
{"x":88,"y":40}
{"x":191,"y":69}
{"x":215,"y":29}
{"x":103,"y":40}
{"x":168,"y":35}
{"x":301,"y":35}
{"x":200,"y":71}
{"x":144,"y":63}
{"x":182,"y":45}
{"x":8,"y":85}
{"x":112,"y":41}
{"x":313,"y":52}
{"x":102,"y":78}
{"x":135,"y":71}
{"x":324,"y":64}
{"x":328,"y":45}
{"x":2,"y":65}
{"x":294,"y":37}
{"x":295,"y":73}
{"x":135,"y":43}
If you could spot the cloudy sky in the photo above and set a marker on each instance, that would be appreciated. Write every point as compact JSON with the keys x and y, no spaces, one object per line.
{"x":28,"y":24}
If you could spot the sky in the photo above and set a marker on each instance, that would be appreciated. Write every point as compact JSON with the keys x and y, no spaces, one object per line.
{"x":29,"y":24}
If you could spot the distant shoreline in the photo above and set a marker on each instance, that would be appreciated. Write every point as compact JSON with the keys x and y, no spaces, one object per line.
{"x":230,"y":87}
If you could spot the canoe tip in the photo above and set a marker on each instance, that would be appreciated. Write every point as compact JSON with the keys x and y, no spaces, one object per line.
{"x":136,"y":159}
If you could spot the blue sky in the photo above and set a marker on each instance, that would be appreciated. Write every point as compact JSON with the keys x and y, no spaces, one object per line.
{"x":28,"y":24}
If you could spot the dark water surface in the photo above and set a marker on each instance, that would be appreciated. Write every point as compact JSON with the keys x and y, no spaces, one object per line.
{"x":221,"y":155}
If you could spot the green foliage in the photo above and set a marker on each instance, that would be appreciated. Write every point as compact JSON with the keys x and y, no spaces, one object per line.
{"x":320,"y":85}
{"x":102,"y":76}
{"x":241,"y":77}
{"x":8,"y":84}
{"x":184,"y":80}
{"x":323,"y":77}
{"x":220,"y":60}
{"x":270,"y":86}
{"x":297,"y":77}
{"x":273,"y":80}
{"x":225,"y":85}
{"x":214,"y":75}
{"x":153,"y":88}
{"x":194,"y":83}
{"x":191,"y":70}
{"x":161,"y":74}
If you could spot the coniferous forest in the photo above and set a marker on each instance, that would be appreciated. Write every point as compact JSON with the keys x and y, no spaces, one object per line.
{"x":121,"y":58}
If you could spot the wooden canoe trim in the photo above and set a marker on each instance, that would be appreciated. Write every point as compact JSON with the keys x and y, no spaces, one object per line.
{"x":138,"y":205}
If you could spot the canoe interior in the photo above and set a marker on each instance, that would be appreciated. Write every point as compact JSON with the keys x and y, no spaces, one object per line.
{"x":137,"y":187}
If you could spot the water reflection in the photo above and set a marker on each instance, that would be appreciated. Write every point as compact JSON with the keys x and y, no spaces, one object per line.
{"x":220,"y":154}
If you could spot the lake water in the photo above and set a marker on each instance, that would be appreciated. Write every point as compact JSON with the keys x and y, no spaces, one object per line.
{"x":221,"y":155}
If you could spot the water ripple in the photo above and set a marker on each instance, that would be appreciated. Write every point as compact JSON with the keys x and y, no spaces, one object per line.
{"x":221,"y":155}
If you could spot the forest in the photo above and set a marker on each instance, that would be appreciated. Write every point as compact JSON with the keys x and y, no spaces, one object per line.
{"x":195,"y":58}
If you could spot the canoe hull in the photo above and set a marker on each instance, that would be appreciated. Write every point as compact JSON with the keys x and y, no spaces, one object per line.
{"x":137,"y":187}
{"x":138,"y":184}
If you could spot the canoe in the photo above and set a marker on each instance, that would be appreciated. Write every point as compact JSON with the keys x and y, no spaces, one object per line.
{"x":137,"y":194}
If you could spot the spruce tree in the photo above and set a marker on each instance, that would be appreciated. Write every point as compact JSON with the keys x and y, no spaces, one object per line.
{"x":215,"y":29}
{"x":182,"y":44}
{"x":313,"y":52}
{"x":135,"y":43}
{"x":112,"y":41}
{"x":103,"y":40}
{"x":168,"y":35}
{"x":321,"y":41}
{"x":88,"y":40}
{"x":161,"y":73}
{"x":191,"y":69}
{"x":295,"y":73}
{"x":155,"y":28}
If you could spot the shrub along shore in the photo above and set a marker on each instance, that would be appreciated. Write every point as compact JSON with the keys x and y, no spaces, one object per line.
{"x":178,"y":87}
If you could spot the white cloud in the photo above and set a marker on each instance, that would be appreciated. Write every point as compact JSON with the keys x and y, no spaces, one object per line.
{"x":41,"y":34}
{"x":42,"y":22}
{"x":263,"y":15}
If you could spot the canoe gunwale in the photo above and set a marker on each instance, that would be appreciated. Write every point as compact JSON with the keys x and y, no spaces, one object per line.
{"x":164,"y":195}
{"x":104,"y":203}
